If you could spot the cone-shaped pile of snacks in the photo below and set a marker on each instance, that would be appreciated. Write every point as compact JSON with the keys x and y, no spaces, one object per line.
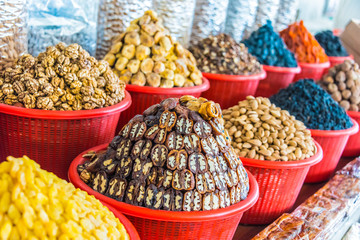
{"x":268,"y":47}
{"x":222,"y":54}
{"x":146,"y":55}
{"x":35,"y":204}
{"x":175,"y":156}
{"x":61,"y":78}
{"x":331,"y":44}
{"x":303,"y":44}
{"x":260,"y":130}
{"x":343,"y":83}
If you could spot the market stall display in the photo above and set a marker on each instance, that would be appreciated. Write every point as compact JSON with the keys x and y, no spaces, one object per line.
{"x":277,"y":149}
{"x":81,"y":93}
{"x":343,"y":83}
{"x":37,"y":204}
{"x":278,"y":62}
{"x":229,"y":68}
{"x":176,"y":156}
{"x":308,"y":52}
{"x":321,"y":215}
{"x":328,"y":122}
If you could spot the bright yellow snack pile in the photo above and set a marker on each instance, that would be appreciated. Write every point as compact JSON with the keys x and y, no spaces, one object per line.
{"x":36,"y":204}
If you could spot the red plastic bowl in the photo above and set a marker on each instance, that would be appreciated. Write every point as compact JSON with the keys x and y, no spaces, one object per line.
{"x":337,"y":60}
{"x":228,"y":90}
{"x":144,"y":97}
{"x":352,"y":148}
{"x":130,"y":229}
{"x":54,"y":138}
{"x":333,"y":143}
{"x":279,"y":186}
{"x":312,"y":70}
{"x":276,"y":79}
{"x":160,"y":224}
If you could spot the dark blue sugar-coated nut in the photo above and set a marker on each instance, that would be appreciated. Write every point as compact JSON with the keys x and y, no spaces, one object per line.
{"x":331,"y":44}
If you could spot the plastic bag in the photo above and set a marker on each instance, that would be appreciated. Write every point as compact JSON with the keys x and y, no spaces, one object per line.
{"x":286,"y":14}
{"x":68,"y":21}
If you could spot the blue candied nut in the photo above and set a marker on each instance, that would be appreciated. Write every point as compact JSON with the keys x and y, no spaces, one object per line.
{"x":312,"y":105}
{"x":331,"y":44}
{"x":269,"y":48}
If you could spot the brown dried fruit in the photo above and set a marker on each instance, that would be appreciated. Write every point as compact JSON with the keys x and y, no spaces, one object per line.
{"x":159,"y":155}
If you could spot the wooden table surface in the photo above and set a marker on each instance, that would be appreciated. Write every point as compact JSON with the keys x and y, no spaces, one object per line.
{"x":246,"y":232}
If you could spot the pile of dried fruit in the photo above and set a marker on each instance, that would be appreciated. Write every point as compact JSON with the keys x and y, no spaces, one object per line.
{"x":331,"y":44}
{"x":343,"y":83}
{"x":61,"y":78}
{"x":146,"y":55}
{"x":303,"y":44}
{"x":222,"y":54}
{"x":260,"y":130}
{"x":36,"y":204}
{"x":175,"y":156}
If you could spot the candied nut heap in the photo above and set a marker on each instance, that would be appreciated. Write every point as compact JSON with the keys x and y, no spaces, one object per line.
{"x":61,"y":78}
{"x":343,"y":83}
{"x":222,"y":54}
{"x":36,"y":204}
{"x":260,"y":130}
{"x":171,"y":158}
{"x":146,"y":55}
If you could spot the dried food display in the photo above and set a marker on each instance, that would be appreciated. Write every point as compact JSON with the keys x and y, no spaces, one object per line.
{"x":146,"y":55}
{"x":260,"y":130}
{"x":331,"y":44}
{"x":321,"y":215}
{"x":312,"y":105}
{"x":61,"y":78}
{"x":268,"y":47}
{"x":175,"y":156}
{"x":303,"y":44}
{"x":222,"y":54}
{"x":36,"y":204}
{"x":343,"y":83}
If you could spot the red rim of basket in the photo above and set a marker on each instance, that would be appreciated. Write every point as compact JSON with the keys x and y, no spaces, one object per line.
{"x":225,"y":77}
{"x":80,"y":114}
{"x":353,"y":114}
{"x":162,"y":215}
{"x":175,"y":90}
{"x":340,"y":58}
{"x":315,"y":65}
{"x":333,"y":133}
{"x":285,"y":165}
{"x":282,"y":69}
{"x":130,"y":229}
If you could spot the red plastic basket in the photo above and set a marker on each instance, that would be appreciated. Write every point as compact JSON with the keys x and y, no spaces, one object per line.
{"x":311,"y":70}
{"x":276,"y":79}
{"x":279,"y":186}
{"x":54,"y":138}
{"x":228,"y":90}
{"x":144,"y":97}
{"x":160,"y":224}
{"x":333,"y":143}
{"x":130,"y":229}
{"x":337,"y":60}
{"x":352,"y":148}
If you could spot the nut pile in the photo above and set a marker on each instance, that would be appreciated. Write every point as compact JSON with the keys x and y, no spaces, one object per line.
{"x":343,"y":83}
{"x":222,"y":54}
{"x":175,"y":156}
{"x":260,"y":130}
{"x":36,"y":204}
{"x":61,"y":78}
{"x":146,"y":55}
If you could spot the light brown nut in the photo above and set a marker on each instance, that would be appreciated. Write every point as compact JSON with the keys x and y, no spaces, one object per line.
{"x":197,"y":163}
{"x":179,"y":80}
{"x":159,"y":67}
{"x":110,"y":58}
{"x":116,"y":189}
{"x":146,"y":39}
{"x":137,"y":131}
{"x":209,"y":182}
{"x":228,"y":182}
{"x":123,"y":149}
{"x":217,"y":126}
{"x":243,"y":181}
{"x":232,"y":158}
{"x":177,"y":159}
{"x":146,"y":149}
{"x":124,"y":132}
{"x":153,"y":79}
{"x":131,"y":191}
{"x":150,"y":196}
{"x":100,"y":182}
{"x":182,"y":159}
{"x":233,"y":177}
{"x":128,"y":51}
{"x":200,"y":183}
{"x":213,"y":164}
{"x":220,"y":181}
{"x":137,"y":148}
{"x":174,"y":141}
{"x":142,"y":52}
{"x":177,"y":180}
{"x":167,"y":120}
{"x":222,"y":163}
{"x":147,"y":65}
{"x":160,"y":136}
{"x":233,"y":195}
{"x":133,"y":66}
{"x":169,"y":198}
{"x":207,"y":203}
{"x":168,"y":175}
{"x":178,"y":201}
{"x":192,"y":143}
{"x":184,"y":125}
{"x":138,"y":79}
{"x":188,"y":180}
{"x":202,"y":129}
{"x":159,"y":155}
{"x":124,"y":168}
{"x":188,"y":201}
{"x":222,"y":198}
{"x":115,"y":48}
{"x":197,"y":202}
{"x":132,"y":38}
{"x":165,"y":43}
{"x":152,"y":132}
{"x":223,"y":144}
{"x":216,"y":200}
{"x":210,"y":146}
